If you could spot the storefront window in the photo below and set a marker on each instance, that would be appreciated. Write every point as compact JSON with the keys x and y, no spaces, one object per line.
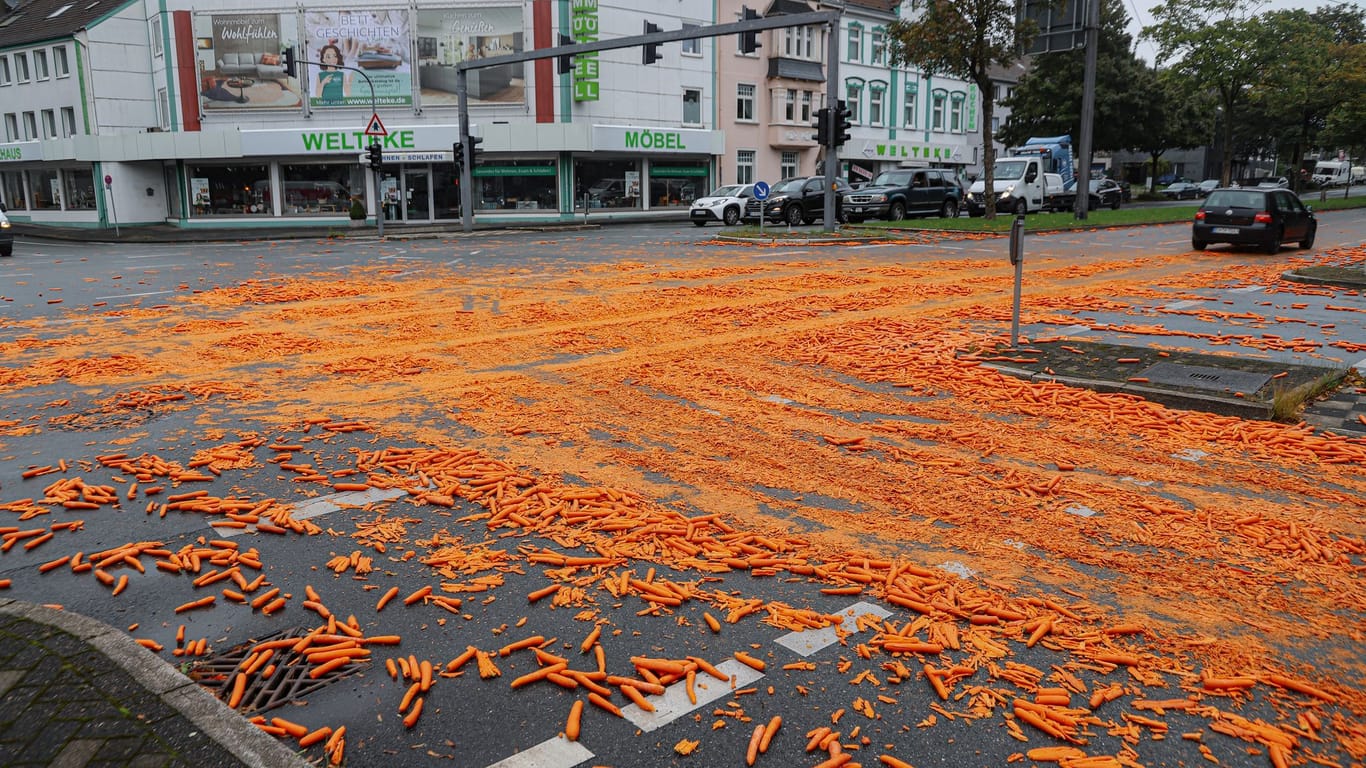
{"x":445,"y":191}
{"x":677,"y":184}
{"x":516,"y":185}
{"x":229,"y":190}
{"x":13,"y":182}
{"x":47,"y":190}
{"x":80,"y":189}
{"x":320,"y":190}
{"x":607,"y":183}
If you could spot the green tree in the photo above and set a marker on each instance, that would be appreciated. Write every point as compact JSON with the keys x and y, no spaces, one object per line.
{"x":1174,"y":117}
{"x":1215,"y":45}
{"x":1047,"y":100}
{"x":963,"y":39}
{"x":1345,"y":126}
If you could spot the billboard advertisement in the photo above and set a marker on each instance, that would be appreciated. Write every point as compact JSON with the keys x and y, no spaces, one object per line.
{"x":446,"y":37}
{"x":376,"y":42}
{"x":241,"y":61}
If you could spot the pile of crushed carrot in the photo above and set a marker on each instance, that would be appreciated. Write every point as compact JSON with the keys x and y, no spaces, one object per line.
{"x":826,"y":420}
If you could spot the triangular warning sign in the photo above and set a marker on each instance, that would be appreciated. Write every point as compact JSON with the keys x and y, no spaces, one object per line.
{"x":375,"y":127}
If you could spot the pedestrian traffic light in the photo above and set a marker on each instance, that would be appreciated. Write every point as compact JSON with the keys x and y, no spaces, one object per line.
{"x":651,"y":50}
{"x":376,"y":155}
{"x":564,"y":64}
{"x":749,"y":41}
{"x":459,"y":152}
{"x":822,"y":134}
{"x":841,"y":124}
{"x":291,"y":61}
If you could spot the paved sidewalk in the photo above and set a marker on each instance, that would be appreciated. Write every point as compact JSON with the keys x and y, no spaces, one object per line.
{"x":77,"y":692}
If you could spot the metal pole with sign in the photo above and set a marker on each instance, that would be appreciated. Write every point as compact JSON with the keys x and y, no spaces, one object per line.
{"x":1017,"y":229}
{"x":113,"y":214}
{"x":761,"y":191}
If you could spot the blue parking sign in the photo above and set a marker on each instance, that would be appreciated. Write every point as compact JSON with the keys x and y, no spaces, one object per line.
{"x":760,"y":190}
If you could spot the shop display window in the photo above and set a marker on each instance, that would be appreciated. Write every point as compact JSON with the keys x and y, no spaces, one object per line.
{"x":80,"y":189}
{"x":320,"y":190}
{"x":47,"y":190}
{"x":516,"y":185}
{"x":676,"y":185}
{"x":13,"y":182}
{"x":229,"y":190}
{"x":607,"y":184}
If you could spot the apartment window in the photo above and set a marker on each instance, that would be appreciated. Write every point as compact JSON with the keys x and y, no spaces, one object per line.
{"x":853,"y":99}
{"x":995,"y":125}
{"x":21,"y":67}
{"x":4,"y":71}
{"x":692,"y":47}
{"x":855,"y":43}
{"x":908,"y":109}
{"x":30,"y":126}
{"x":806,"y":107}
{"x":879,"y":46}
{"x":938,"y":102}
{"x":49,"y":124}
{"x":68,"y":121}
{"x":163,"y":108}
{"x":790,"y":105}
{"x":876,"y":98}
{"x":744,"y":166}
{"x":155,"y":35}
{"x":59,"y":61}
{"x":40,"y":70}
{"x":744,"y":102}
{"x":692,"y":106}
{"x":789,"y":165}
{"x":956,"y":113}
{"x":11,"y":126}
{"x":799,"y":42}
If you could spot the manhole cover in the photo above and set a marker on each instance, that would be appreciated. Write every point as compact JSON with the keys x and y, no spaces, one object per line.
{"x":288,"y":681}
{"x":1205,"y":377}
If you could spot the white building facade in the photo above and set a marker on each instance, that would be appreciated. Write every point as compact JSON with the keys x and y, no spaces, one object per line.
{"x":155,"y":111}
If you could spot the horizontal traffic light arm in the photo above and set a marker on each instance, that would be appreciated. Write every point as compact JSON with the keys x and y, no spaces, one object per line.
{"x":690,"y":33}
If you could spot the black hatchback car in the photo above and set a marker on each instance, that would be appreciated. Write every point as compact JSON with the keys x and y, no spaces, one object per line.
{"x":798,"y":201}
{"x":1262,"y":217}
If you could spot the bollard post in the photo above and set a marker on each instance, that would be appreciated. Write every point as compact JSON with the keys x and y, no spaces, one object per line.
{"x":1016,"y":259}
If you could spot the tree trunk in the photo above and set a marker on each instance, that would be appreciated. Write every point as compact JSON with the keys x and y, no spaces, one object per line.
{"x":988,"y":146}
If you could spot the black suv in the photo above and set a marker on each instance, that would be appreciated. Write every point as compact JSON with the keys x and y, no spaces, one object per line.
{"x":896,"y":193}
{"x":798,"y":201}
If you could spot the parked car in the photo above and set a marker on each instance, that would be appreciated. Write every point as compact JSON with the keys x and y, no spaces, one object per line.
{"x":6,"y":233}
{"x":1181,"y":190}
{"x":1207,"y":186}
{"x":1105,"y":193}
{"x":1125,"y":190}
{"x":798,"y":201}
{"x":1273,"y":182}
{"x":1250,"y":216}
{"x":724,"y":204}
{"x":895,"y":194}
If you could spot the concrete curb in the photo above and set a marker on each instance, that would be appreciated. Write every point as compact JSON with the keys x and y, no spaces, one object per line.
{"x":223,"y":725}
{"x":1224,"y":406}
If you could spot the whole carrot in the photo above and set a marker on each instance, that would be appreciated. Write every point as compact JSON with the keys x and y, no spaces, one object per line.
{"x":752,"y":752}
{"x":383,"y":601}
{"x":571,"y":727}
{"x":769,"y":731}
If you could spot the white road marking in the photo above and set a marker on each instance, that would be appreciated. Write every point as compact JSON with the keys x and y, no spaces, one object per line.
{"x":132,"y":295}
{"x":1360,"y":365}
{"x":785,"y":253}
{"x":1183,"y":305}
{"x":873,"y":245}
{"x":674,"y":703}
{"x":809,"y":641}
{"x":1248,"y":289}
{"x":323,"y":505}
{"x":558,"y":752}
{"x":16,"y":274}
{"x":1073,"y":330}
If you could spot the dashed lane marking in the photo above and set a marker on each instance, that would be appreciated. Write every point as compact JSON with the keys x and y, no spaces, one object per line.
{"x":809,"y":641}
{"x":326,"y":504}
{"x":558,"y":752}
{"x":674,"y":703}
{"x":132,"y":295}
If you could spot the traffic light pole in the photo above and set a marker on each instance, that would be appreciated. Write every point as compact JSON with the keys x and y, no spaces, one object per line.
{"x":462,"y":96}
{"x":832,"y":150}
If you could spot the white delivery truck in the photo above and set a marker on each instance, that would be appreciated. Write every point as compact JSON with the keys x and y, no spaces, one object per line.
{"x":1333,"y":173}
{"x":1019,"y":184}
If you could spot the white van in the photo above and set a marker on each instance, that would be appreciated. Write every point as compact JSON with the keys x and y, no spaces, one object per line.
{"x":1019,"y":184}
{"x":1333,"y":173}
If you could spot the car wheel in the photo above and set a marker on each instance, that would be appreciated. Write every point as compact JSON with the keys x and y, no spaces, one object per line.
{"x":1274,"y":244}
{"x":1021,"y":207}
{"x":731,"y":216}
{"x":1199,"y":245}
{"x":898,"y":212}
{"x":793,"y":215}
{"x":1114,"y":204}
{"x":1306,"y":243}
{"x":949,"y":209}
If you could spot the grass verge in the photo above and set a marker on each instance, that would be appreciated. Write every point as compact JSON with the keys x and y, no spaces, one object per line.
{"x":1287,"y":404}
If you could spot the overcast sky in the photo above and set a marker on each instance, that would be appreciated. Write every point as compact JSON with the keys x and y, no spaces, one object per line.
{"x":1141,"y":15}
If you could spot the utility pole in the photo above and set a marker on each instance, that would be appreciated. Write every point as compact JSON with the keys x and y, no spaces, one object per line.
{"x":1088,"y":110}
{"x":832,"y":151}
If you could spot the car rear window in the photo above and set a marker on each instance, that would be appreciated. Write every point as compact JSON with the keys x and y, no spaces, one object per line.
{"x":1235,"y":199}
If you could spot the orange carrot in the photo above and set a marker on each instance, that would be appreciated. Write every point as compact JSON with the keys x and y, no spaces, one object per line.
{"x":770,"y":731}
{"x":408,"y":697}
{"x":603,"y":703}
{"x":892,"y":762}
{"x":571,"y":726}
{"x":193,"y":604}
{"x":329,"y":666}
{"x":543,"y":592}
{"x":539,"y":674}
{"x":749,"y":661}
{"x":418,"y":595}
{"x":383,"y":601}
{"x":291,"y":728}
{"x":315,"y":736}
{"x":1295,"y":685}
{"x":239,"y":688}
{"x":528,"y":642}
{"x":711,"y":622}
{"x":637,"y":697}
{"x":410,"y":719}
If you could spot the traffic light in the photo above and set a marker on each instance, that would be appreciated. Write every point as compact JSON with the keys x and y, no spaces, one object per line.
{"x":475,"y":141}
{"x":458,"y":150}
{"x":749,"y":41}
{"x":376,"y":151}
{"x":564,"y":64}
{"x":650,"y":53}
{"x":822,"y":134}
{"x":841,"y":124}
{"x":291,"y":61}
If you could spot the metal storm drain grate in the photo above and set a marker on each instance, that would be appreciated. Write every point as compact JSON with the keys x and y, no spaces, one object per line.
{"x":289,"y":681}
{"x":1205,"y":377}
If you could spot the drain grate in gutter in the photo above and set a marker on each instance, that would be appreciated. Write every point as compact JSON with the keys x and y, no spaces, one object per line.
{"x":288,"y":683}
{"x":1205,"y":377}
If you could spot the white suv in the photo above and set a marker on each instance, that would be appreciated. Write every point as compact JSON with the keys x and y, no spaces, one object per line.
{"x":724,"y":204}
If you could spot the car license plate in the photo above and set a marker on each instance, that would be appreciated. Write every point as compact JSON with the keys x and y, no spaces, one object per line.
{"x":856,"y":209}
{"x":1225,"y":230}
